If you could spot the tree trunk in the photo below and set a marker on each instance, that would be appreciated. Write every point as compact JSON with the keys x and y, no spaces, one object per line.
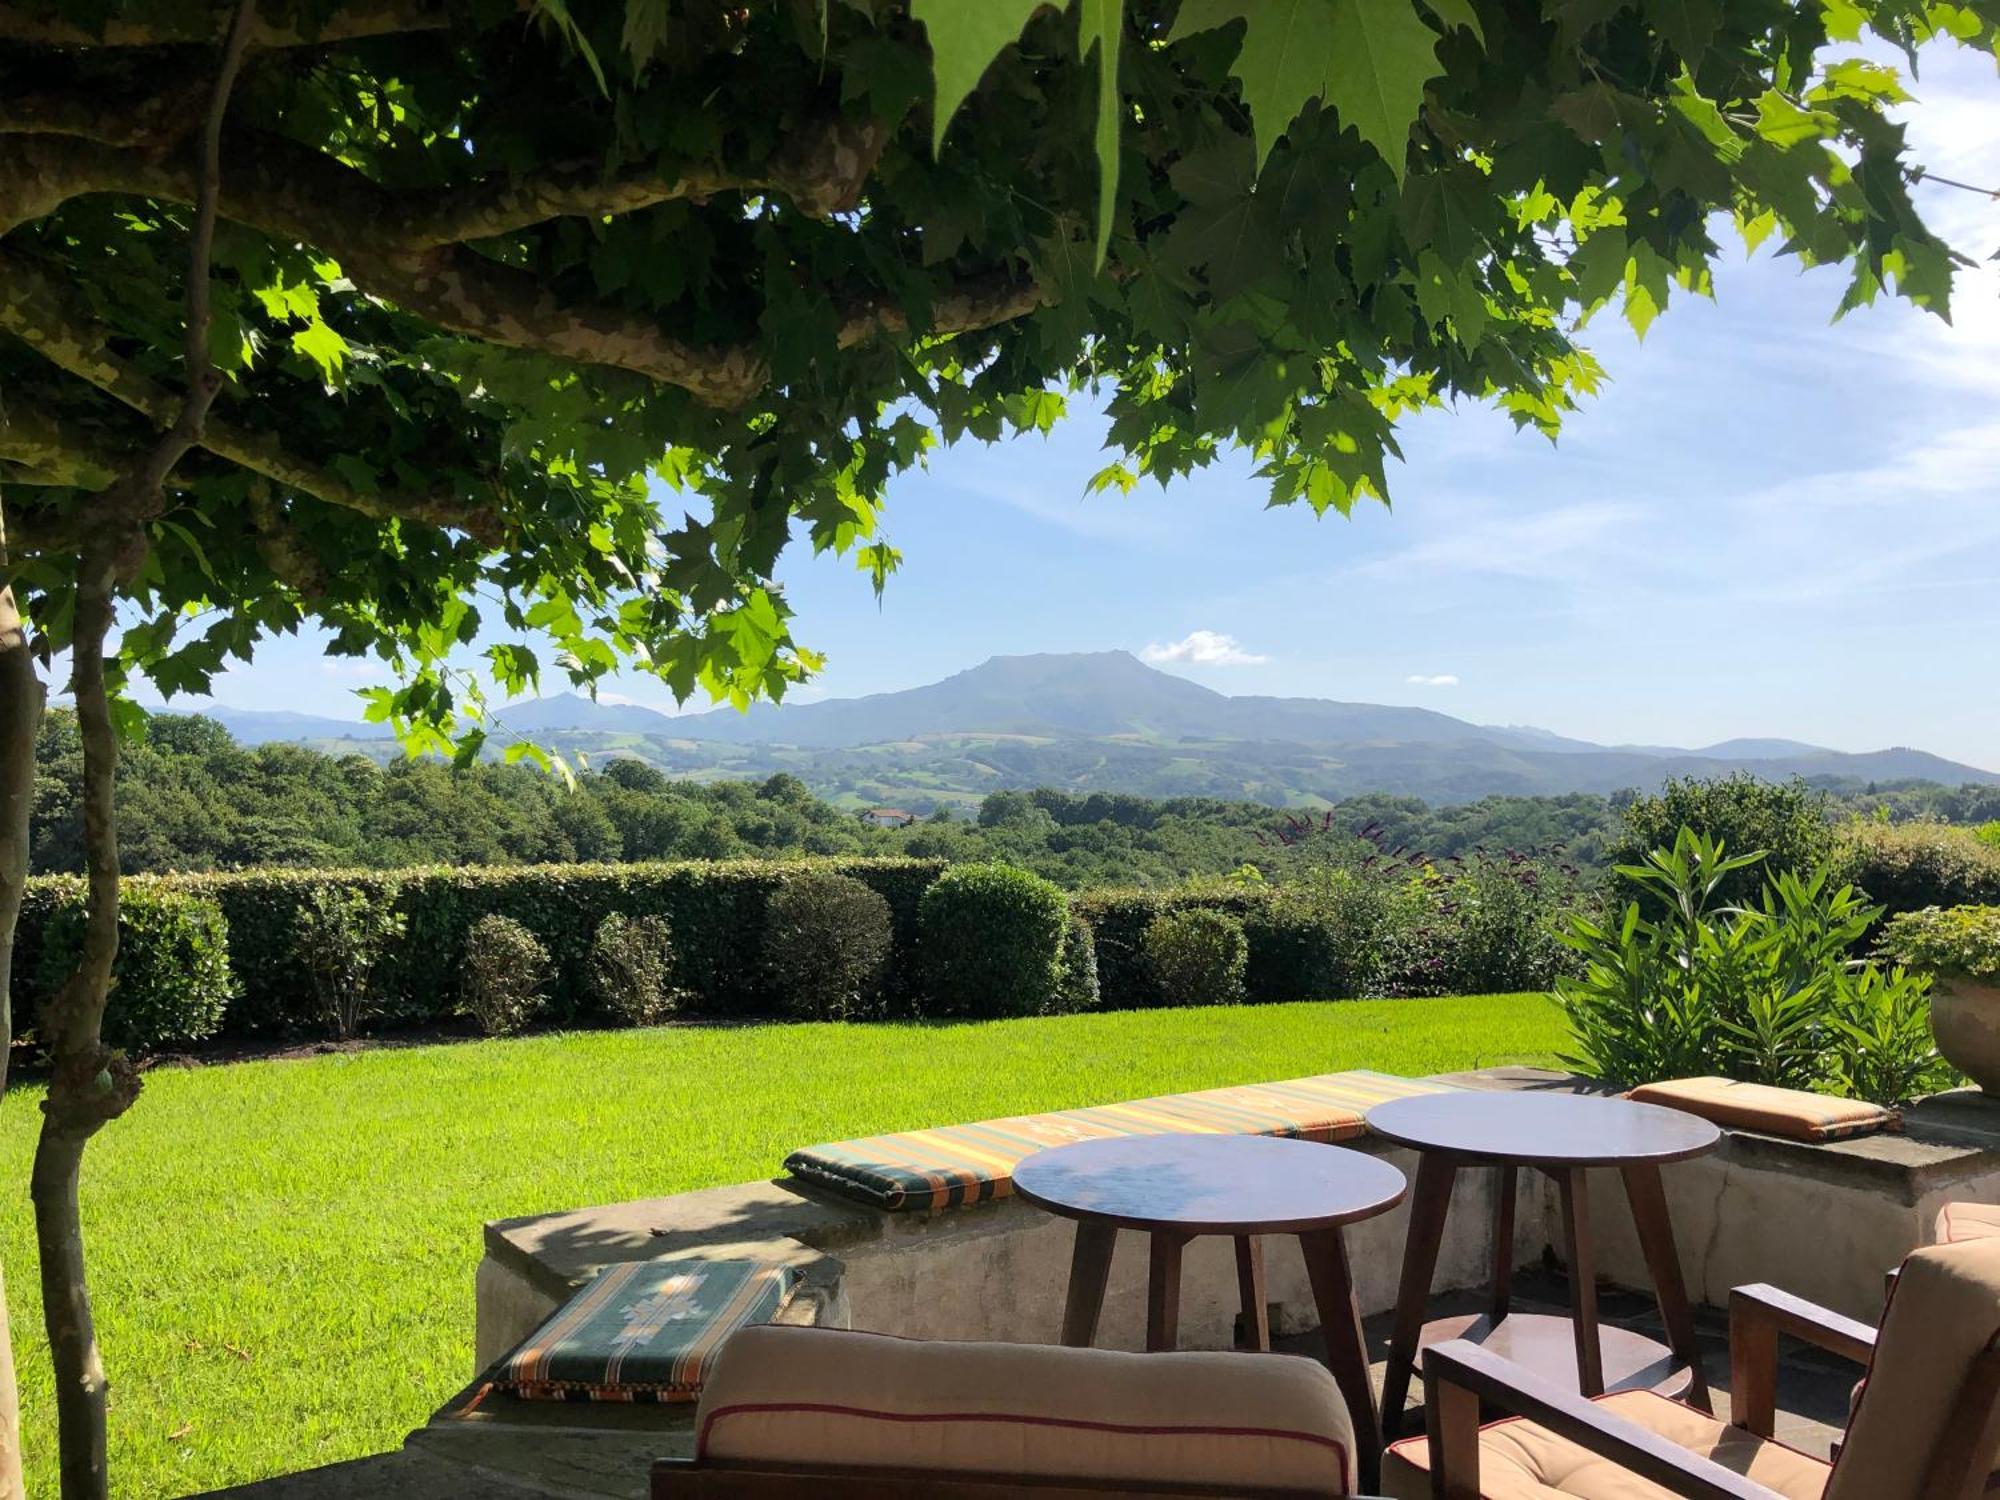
{"x":20,"y":718}
{"x":89,"y":1085}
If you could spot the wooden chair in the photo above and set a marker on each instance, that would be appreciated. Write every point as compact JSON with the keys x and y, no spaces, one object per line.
{"x":1926,"y":1425}
{"x":820,"y":1414}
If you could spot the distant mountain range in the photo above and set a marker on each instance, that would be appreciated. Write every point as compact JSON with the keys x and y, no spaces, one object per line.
{"x":1105,"y":721}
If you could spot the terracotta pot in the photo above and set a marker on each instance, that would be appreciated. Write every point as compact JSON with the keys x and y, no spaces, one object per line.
{"x":1965,"y":1019}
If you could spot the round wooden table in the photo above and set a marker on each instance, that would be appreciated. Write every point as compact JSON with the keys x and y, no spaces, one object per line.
{"x":1175,"y":1188}
{"x":1561,"y":1135}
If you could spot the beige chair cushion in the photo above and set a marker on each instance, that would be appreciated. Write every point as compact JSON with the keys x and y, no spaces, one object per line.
{"x":820,"y":1396}
{"x":1943,"y":1310}
{"x":1792,"y":1113}
{"x":1521,"y":1461}
{"x":1957,"y":1222}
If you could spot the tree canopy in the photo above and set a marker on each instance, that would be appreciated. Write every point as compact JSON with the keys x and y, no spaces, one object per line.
{"x":485,"y":270}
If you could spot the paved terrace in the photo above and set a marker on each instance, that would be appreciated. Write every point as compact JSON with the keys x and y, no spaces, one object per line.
{"x":1736,"y":1217}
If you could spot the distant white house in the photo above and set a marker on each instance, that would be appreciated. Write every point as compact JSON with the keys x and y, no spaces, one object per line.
{"x":889,"y":817}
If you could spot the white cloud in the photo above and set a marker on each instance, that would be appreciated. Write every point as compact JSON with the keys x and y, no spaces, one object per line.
{"x":1440,"y":679}
{"x":1202,"y":648}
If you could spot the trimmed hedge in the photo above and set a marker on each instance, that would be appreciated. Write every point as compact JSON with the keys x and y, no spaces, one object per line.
{"x":171,"y":982}
{"x":1909,"y":866}
{"x":1198,"y":955}
{"x":716,"y":911}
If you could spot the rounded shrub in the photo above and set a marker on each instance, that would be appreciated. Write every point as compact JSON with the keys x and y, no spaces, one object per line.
{"x":1910,"y":866}
{"x":1078,"y":989}
{"x":1197,"y":956}
{"x":632,"y":968}
{"x":502,"y":975}
{"x":826,"y":944}
{"x":992,"y":941}
{"x":341,"y":934}
{"x":171,"y":982}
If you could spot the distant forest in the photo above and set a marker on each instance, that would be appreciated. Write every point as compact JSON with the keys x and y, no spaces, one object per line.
{"x":191,"y":798}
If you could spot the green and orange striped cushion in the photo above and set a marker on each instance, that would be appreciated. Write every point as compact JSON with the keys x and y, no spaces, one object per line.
{"x":644,"y":1331}
{"x":955,"y":1164}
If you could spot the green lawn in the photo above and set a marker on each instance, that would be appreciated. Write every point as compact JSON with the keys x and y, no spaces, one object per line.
{"x":283,"y":1251}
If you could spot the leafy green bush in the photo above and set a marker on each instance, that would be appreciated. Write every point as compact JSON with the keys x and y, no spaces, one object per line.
{"x":1078,"y":990}
{"x":341,"y":936}
{"x":1765,"y":993}
{"x":632,"y":968}
{"x":171,"y":981}
{"x":1909,"y":866}
{"x":826,"y":943}
{"x":1197,"y":956}
{"x":992,"y":941}
{"x":1118,"y":920}
{"x":1484,"y":924}
{"x":1962,"y":940}
{"x":1784,"y":821}
{"x":1318,"y":939}
{"x":502,"y":975}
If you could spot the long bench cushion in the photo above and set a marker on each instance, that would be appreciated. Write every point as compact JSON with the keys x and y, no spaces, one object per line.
{"x":828,"y":1399}
{"x":644,"y":1331}
{"x":1793,"y":1113}
{"x":1959,"y":1222}
{"x":955,"y":1164}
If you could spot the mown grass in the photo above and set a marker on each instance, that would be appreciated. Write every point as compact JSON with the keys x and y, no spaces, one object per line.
{"x":283,"y":1252}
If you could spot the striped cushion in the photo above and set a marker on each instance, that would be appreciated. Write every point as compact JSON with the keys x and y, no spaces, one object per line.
{"x":1792,"y":1113}
{"x":956,"y":1164}
{"x":644,"y":1331}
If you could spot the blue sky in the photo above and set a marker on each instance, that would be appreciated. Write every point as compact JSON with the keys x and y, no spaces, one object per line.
{"x":1766,"y":524}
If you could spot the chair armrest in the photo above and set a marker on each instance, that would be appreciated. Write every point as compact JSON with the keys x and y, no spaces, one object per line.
{"x":1757,"y":1315}
{"x":1459,"y":1366}
{"x":1819,"y":1326}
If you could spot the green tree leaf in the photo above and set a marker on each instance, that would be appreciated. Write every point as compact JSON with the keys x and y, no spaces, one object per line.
{"x":1379,"y":55}
{"x":964,"y":41}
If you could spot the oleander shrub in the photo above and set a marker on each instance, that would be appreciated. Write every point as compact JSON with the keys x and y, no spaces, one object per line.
{"x":503,"y":974}
{"x":992,"y":941}
{"x":632,"y":968}
{"x":170,"y":983}
{"x":1910,"y":866}
{"x":341,"y":935}
{"x":1078,"y":989}
{"x":1198,"y":956}
{"x":826,"y":945}
{"x":1766,"y":992}
{"x":1945,"y":941}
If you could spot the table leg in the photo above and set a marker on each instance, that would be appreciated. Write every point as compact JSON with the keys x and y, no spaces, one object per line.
{"x":1579,"y":1249}
{"x":1663,"y":1262}
{"x":1089,"y":1271}
{"x":1254,"y":1327}
{"x":1346,"y":1348}
{"x":1502,"y":1295}
{"x":1163,"y":1292}
{"x":1429,"y":1202}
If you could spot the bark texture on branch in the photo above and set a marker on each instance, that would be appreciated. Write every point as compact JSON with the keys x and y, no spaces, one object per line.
{"x":407,"y":246}
{"x":21,"y":700}
{"x":36,"y":311}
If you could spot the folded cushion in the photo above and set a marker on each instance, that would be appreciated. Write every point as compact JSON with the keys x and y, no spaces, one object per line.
{"x":1519,"y":1460}
{"x":822,"y":1397}
{"x":1958,"y":1222}
{"x":644,"y":1331}
{"x":954,"y":1164}
{"x":1793,"y":1113}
